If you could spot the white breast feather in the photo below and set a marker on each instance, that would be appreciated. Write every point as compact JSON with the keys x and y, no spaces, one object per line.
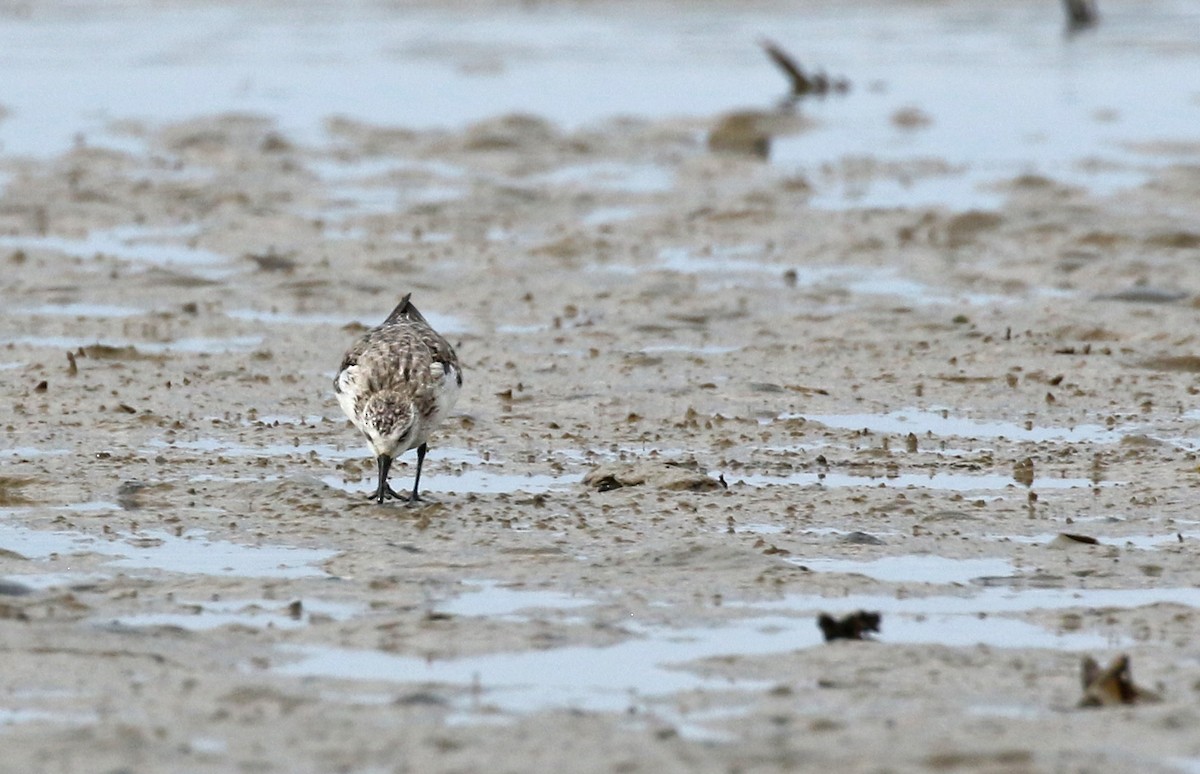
{"x":445,"y":395}
{"x":347,"y":393}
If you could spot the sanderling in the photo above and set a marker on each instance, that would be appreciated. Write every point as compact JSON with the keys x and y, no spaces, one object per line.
{"x":397,"y":383}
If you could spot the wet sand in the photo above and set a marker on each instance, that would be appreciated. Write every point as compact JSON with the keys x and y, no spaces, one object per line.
{"x":705,"y":400}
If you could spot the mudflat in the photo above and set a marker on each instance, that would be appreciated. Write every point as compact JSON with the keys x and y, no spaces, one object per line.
{"x":701,"y":407}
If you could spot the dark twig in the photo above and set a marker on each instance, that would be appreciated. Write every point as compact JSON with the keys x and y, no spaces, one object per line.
{"x":1081,"y":14}
{"x":803,"y":84}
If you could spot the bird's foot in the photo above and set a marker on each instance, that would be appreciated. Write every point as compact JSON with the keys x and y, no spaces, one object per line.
{"x":391,"y":494}
{"x":385,"y":493}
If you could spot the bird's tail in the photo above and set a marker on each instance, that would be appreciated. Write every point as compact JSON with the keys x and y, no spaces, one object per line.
{"x":405,"y":311}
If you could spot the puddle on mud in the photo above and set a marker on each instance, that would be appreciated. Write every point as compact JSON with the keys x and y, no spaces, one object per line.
{"x":80,"y":309}
{"x":1185,"y":765}
{"x":345,"y":201}
{"x":489,"y":480}
{"x":436,"y":464}
{"x":442,"y":322}
{"x":344,"y":229}
{"x":885,"y":192}
{"x":653,"y":665}
{"x":191,"y":345}
{"x":989,"y":600}
{"x":463,"y":482}
{"x":131,"y":243}
{"x":44,"y":581}
{"x":1141,"y":542}
{"x":32,"y":451}
{"x":610,"y":176}
{"x":254,"y":613}
{"x":602,"y":216}
{"x":839,"y":533}
{"x":579,"y":677}
{"x":642,"y":672}
{"x":469,"y":473}
{"x":372,"y":186}
{"x":734,"y":266}
{"x":291,"y":318}
{"x":334,"y":170}
{"x":740,"y":259}
{"x":951,"y":482}
{"x":234,"y":449}
{"x":688,"y":349}
{"x":755,"y":529}
{"x":942,"y":424}
{"x":926,"y":568}
{"x":190,"y":553}
{"x":521,"y":330}
{"x":10,"y":716}
{"x":270,"y":420}
{"x":91,"y":506}
{"x":494,"y":600}
{"x":193,"y":554}
{"x":972,"y":186}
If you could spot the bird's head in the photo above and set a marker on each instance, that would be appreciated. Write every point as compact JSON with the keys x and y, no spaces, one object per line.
{"x":388,"y":421}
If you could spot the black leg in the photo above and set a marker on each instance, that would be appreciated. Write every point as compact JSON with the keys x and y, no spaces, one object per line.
{"x":416,"y":496}
{"x":383,"y":491}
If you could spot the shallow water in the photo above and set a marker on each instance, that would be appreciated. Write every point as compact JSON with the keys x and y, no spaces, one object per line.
{"x":270,"y":420}
{"x":927,"y":568}
{"x":190,"y":553}
{"x":640,"y":671}
{"x":41,"y":581}
{"x":952,"y":482}
{"x":602,"y":216}
{"x":469,"y":481}
{"x":725,"y":266}
{"x":80,"y":309}
{"x":491,"y":479}
{"x":962,"y":66}
{"x":444,"y":323}
{"x":596,"y":48}
{"x":152,"y":247}
{"x":491,"y":599}
{"x":654,"y":663}
{"x":625,"y":178}
{"x":191,"y":344}
{"x":231,"y":448}
{"x":1145,"y":542}
{"x":292,"y":318}
{"x":24,"y":452}
{"x":13,"y":717}
{"x":255,"y":613}
{"x":346,"y":200}
{"x":976,"y":600}
{"x":924,"y":422}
